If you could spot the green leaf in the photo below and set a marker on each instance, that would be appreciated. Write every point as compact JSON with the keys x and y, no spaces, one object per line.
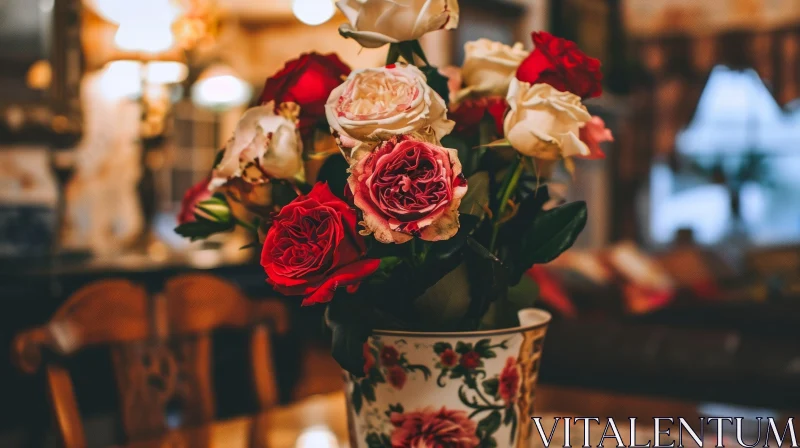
{"x":437,"y":82}
{"x":348,"y":337}
{"x":201,"y":229}
{"x":447,"y":302}
{"x":468,"y":224}
{"x":482,"y":346}
{"x":440,"y":347}
{"x":387,"y":441}
{"x":491,"y":386}
{"x":334,"y":172}
{"x":553,"y":232}
{"x":355,"y":398}
{"x":417,"y":49}
{"x":488,"y":443}
{"x":489,"y":425}
{"x":393,"y":55}
{"x":426,"y":372}
{"x":476,"y":201}
{"x":394,"y":408}
{"x":374,"y":440}
{"x":368,"y":390}
{"x":462,"y":347}
{"x":406,"y":49}
{"x":457,"y":372}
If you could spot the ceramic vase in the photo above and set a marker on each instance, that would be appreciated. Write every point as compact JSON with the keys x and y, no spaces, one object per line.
{"x":459,"y":390}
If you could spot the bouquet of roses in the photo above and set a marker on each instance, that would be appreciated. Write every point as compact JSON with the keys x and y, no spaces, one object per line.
{"x":409,"y":225}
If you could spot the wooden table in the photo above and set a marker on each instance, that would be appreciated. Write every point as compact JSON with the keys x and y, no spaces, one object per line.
{"x":277,"y":428}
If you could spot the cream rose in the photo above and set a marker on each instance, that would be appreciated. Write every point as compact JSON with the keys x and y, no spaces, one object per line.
{"x":264,"y":145}
{"x":489,"y":67}
{"x":374,"y":23}
{"x":376,"y":104}
{"x":544,"y":122}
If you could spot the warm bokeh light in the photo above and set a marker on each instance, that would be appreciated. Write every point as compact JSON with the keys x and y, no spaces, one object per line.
{"x":219,"y":88}
{"x":121,"y":79}
{"x":317,"y":437}
{"x":313,"y":12}
{"x":40,"y":75}
{"x":165,"y":72}
{"x":120,"y":11}
{"x":149,"y":37}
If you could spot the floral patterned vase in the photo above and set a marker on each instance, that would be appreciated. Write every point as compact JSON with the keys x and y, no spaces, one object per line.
{"x":455,"y":390}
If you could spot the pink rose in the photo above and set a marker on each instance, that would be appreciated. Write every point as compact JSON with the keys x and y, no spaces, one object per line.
{"x":195,"y":195}
{"x":409,"y":188}
{"x":431,"y":428}
{"x":593,"y":133}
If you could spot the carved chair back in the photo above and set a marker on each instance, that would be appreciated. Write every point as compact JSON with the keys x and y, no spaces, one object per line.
{"x":160,"y":347}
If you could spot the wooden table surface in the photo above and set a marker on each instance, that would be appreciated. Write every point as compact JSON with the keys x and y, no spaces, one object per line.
{"x":281,"y":427}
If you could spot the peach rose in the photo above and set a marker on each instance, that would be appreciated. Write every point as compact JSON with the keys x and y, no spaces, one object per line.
{"x":379,"y":103}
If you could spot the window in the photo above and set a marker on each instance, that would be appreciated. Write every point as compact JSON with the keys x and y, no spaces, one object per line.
{"x":738,"y":176}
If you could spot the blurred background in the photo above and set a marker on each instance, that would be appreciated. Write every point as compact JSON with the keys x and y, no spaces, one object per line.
{"x":682,"y":294}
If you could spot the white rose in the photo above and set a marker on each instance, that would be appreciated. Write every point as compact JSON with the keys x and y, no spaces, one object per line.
{"x":489,"y":67}
{"x":544,"y":122}
{"x":374,"y":23}
{"x":376,"y":104}
{"x":264,"y":145}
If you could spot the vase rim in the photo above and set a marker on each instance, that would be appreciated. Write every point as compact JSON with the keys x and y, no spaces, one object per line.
{"x":539,"y":318}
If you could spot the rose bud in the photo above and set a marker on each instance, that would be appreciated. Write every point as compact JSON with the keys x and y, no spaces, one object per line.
{"x":593,"y":133}
{"x":306,"y":81}
{"x":409,"y":188}
{"x":379,"y":103}
{"x":313,"y":248}
{"x":264,"y":145}
{"x":560,"y":63}
{"x":195,"y":195}
{"x":375,"y":23}
{"x":544,"y":122}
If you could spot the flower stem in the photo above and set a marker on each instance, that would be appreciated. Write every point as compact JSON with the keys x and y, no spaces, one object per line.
{"x":246,"y":225}
{"x":508,"y":188}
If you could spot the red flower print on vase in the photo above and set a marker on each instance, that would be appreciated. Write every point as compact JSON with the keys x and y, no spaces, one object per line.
{"x":509,"y":381}
{"x":397,"y":377}
{"x":448,"y":358}
{"x":389,"y":356}
{"x":369,"y":359}
{"x":471,"y":360}
{"x":430,"y":428}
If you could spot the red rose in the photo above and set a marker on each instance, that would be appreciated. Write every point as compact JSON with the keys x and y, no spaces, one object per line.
{"x":389,"y":356}
{"x":509,"y":381}
{"x":409,"y":188}
{"x":471,"y":360}
{"x":448,"y":358}
{"x":369,"y":359}
{"x":469,"y":113}
{"x":195,"y":195}
{"x":313,"y":247}
{"x":434,"y":429}
{"x":396,"y":376}
{"x":560,"y":63}
{"x":307,"y":81}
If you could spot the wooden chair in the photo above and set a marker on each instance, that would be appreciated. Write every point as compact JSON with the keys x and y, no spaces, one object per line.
{"x":160,"y":349}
